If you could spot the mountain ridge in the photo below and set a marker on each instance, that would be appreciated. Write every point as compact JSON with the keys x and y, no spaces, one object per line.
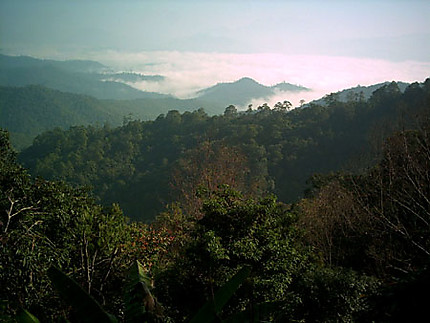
{"x":354,"y":93}
{"x":282,"y":148}
{"x":30,"y":110}
{"x":75,"y":76}
{"x":242,"y":91}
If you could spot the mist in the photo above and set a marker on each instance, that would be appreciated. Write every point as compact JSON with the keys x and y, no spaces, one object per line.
{"x":188,"y":72}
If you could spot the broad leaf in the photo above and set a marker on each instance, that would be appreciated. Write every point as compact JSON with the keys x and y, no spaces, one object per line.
{"x":209,"y":311}
{"x":26,"y":317}
{"x":87,"y":308}
{"x":139,"y":302}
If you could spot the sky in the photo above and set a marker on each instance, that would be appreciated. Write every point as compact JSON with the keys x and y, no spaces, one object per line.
{"x":324,"y":45}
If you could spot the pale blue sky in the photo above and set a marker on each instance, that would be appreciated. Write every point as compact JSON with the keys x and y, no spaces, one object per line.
{"x":393,"y":30}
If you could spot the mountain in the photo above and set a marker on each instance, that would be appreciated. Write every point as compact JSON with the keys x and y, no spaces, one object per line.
{"x":140,"y":164}
{"x":97,"y":80}
{"x":243,"y":91}
{"x":81,"y":66}
{"x":365,"y":92}
{"x":82,"y":77}
{"x":288,"y":87}
{"x":28,"y":111}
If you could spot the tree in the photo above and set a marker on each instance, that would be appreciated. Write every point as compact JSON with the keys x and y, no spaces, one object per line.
{"x":388,"y":93}
{"x":397,"y":194}
{"x":285,"y":106}
{"x":335,"y":225}
{"x":263,"y":108}
{"x":377,"y":222}
{"x":302,"y":102}
{"x":51,"y":223}
{"x":331,"y":99}
{"x":230,"y":111}
{"x":234,"y":232}
{"x":207,"y":167}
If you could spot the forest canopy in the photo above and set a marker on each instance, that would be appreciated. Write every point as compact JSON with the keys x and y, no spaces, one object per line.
{"x":213,"y":190}
{"x":271,"y":150}
{"x":355,"y":249}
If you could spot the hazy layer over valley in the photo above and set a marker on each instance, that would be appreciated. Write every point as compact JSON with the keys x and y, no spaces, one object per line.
{"x":325,"y":47}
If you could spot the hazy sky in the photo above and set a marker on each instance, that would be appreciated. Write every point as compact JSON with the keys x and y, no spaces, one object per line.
{"x":320,"y":44}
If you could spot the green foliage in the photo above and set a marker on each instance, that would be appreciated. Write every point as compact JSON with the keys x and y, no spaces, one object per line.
{"x":136,"y":164}
{"x":234,"y":232}
{"x":256,"y":313}
{"x":87,"y":309}
{"x":329,"y":295}
{"x":26,"y":317}
{"x":62,"y":230}
{"x":29,"y":111}
{"x":374,"y":223}
{"x":140,"y":305}
{"x":50,"y":223}
{"x":212,"y":308}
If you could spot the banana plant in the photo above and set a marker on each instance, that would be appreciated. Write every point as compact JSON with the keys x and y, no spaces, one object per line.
{"x":212,"y":308}
{"x":26,"y":317}
{"x":140,"y":305}
{"x":86,"y":307}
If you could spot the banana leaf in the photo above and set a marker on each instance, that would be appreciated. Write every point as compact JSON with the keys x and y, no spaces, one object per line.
{"x":211,"y":309}
{"x":140,"y":305}
{"x":87,"y":308}
{"x":26,"y":317}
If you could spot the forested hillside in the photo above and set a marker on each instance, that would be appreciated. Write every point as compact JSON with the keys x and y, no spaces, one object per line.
{"x":28,"y":111}
{"x":214,"y":161}
{"x":240,"y":92}
{"x":356,"y":249}
{"x":145,"y":165}
{"x":81,"y":77}
{"x":357,"y":93}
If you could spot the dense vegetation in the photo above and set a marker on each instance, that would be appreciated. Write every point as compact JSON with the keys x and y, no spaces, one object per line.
{"x":30,"y":110}
{"x":355,"y":248}
{"x":50,"y":223}
{"x":39,"y":94}
{"x":274,"y":150}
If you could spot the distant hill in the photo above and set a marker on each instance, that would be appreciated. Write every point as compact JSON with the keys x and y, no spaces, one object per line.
{"x":243,"y":91}
{"x":28,"y":111}
{"x":97,"y":80}
{"x":31,"y":110}
{"x":273,"y":150}
{"x":82,"y":77}
{"x":364,"y":91}
{"x":82,"y":66}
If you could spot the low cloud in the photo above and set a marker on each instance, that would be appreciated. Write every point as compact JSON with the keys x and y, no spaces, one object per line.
{"x":187,"y":72}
